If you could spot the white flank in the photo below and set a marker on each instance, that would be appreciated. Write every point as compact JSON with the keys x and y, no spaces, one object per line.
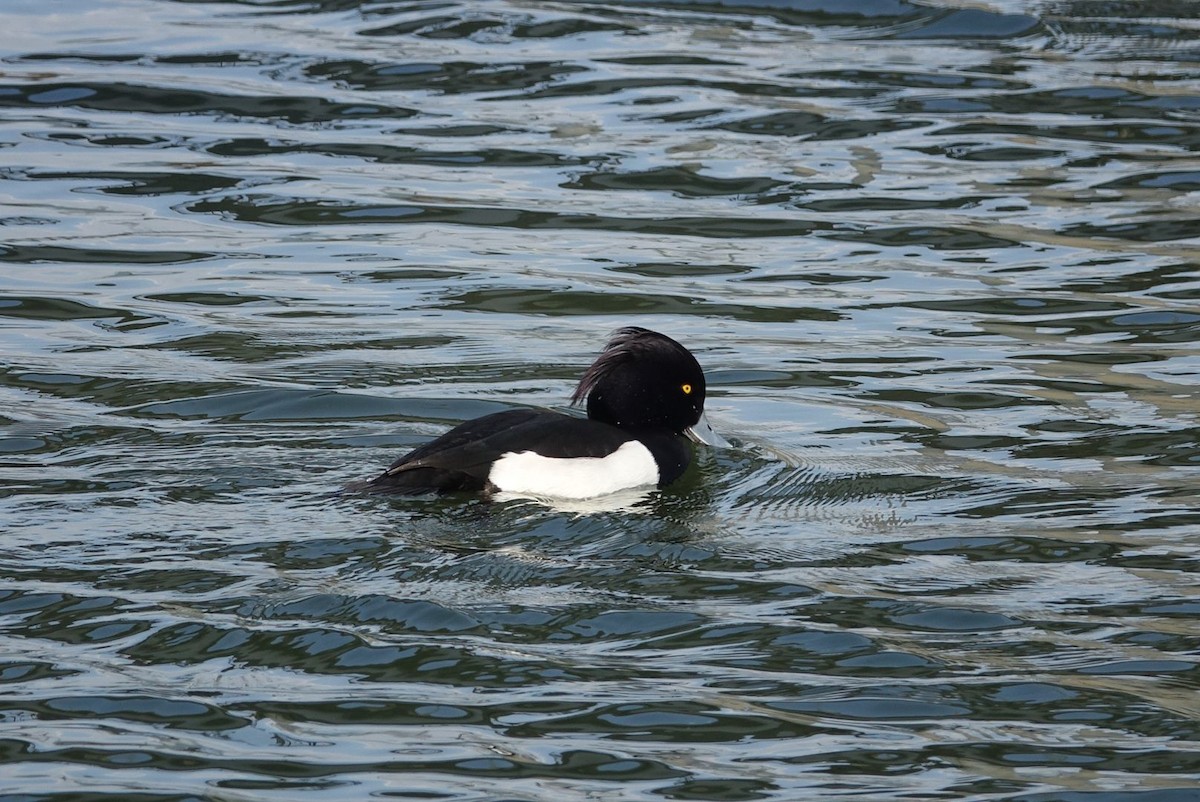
{"x":530,"y":473}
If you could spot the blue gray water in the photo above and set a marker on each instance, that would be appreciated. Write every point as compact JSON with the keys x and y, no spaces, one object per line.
{"x":940,"y":261}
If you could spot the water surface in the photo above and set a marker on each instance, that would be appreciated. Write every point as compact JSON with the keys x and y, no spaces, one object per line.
{"x":939,"y":261}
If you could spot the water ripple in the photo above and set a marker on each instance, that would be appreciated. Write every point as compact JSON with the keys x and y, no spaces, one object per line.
{"x":939,"y":264}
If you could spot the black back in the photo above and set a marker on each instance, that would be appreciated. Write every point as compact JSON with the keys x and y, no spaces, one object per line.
{"x":461,"y":458}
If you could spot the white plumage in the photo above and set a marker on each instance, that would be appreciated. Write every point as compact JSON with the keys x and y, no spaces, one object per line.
{"x":528,"y":472}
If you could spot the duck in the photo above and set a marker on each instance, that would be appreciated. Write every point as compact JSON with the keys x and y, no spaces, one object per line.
{"x":644,"y":398}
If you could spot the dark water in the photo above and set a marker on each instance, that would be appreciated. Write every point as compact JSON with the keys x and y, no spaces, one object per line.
{"x":939,"y":260}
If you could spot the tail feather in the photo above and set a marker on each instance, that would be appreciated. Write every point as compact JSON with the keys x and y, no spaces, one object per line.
{"x":420,"y":481}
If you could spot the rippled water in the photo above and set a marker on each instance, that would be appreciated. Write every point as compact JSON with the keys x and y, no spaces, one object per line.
{"x":940,"y":261}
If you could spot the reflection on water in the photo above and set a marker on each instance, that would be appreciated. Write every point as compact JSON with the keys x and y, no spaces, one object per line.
{"x":939,"y":261}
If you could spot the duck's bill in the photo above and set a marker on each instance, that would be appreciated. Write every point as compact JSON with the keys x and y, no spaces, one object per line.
{"x":702,"y":432}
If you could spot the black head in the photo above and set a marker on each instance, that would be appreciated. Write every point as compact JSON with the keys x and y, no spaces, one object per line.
{"x":643,"y":380}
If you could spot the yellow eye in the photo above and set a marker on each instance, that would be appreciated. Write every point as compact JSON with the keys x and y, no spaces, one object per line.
{"x":687,"y":389}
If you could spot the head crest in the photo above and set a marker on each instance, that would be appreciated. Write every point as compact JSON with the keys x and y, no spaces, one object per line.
{"x":624,"y":346}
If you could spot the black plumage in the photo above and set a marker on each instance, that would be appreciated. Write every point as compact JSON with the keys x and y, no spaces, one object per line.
{"x":644,"y":387}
